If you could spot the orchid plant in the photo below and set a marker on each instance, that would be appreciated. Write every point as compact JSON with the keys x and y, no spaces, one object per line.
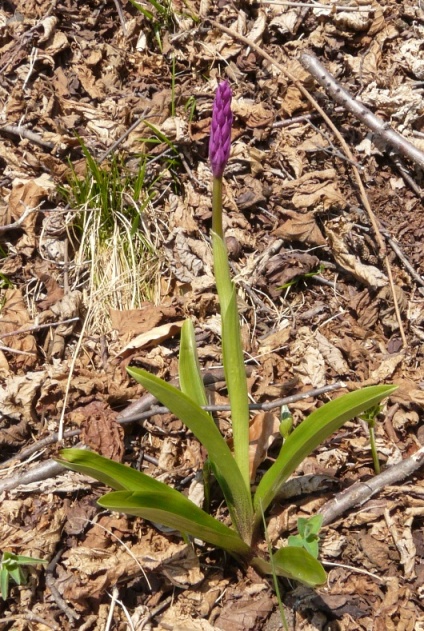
{"x":136,"y":493}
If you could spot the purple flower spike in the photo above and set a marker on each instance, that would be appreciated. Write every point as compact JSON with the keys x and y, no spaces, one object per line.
{"x":222,"y":120}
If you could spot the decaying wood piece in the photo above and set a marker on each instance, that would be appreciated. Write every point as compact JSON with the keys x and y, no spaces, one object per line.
{"x":361,"y":492}
{"x":337,"y":93}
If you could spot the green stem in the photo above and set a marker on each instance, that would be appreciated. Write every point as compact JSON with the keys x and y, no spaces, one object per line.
{"x":217,"y":207}
{"x":235,"y":373}
{"x":375,"y":459}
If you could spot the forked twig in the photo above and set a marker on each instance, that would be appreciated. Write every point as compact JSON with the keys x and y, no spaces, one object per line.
{"x":379,"y":239}
{"x":20,"y":221}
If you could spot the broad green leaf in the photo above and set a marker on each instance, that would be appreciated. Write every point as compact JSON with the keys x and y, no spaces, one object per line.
{"x":113,"y":474}
{"x":179,"y":513}
{"x":228,"y":474}
{"x":235,"y":372}
{"x":311,"y":525}
{"x":311,"y":543}
{"x":309,"y":434}
{"x":300,"y":565}
{"x":293,"y":563}
{"x":191,"y":381}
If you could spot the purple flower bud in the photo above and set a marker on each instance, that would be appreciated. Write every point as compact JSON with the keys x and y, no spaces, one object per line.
{"x":222,"y":120}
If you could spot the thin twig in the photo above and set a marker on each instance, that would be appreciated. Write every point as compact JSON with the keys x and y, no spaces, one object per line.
{"x":30,"y":617}
{"x":396,"y":249}
{"x":50,"y":582}
{"x":341,"y":96}
{"x":37,"y":327}
{"x":47,"y":469}
{"x":121,"y":139}
{"x":360,"y":492}
{"x":7,"y":349}
{"x":70,"y":376}
{"x":154,"y":612}
{"x":121,"y":16}
{"x":20,"y":221}
{"x":24,"y":132}
{"x":277,"y":403}
{"x":312,"y":5}
{"x":37,"y":446}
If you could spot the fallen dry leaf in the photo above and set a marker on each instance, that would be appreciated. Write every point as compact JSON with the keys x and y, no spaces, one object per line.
{"x":368,"y":274}
{"x":155,"y":336}
{"x":100,"y":431}
{"x":263,"y":430}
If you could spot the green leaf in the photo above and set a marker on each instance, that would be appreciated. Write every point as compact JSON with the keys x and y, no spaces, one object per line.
{"x":113,"y":474}
{"x":311,"y":543}
{"x":293,"y":563}
{"x":4,"y":583}
{"x":235,"y":372}
{"x":191,"y":381}
{"x":19,"y":559}
{"x":203,"y":427}
{"x":179,"y":513}
{"x":312,"y":525}
{"x":298,"y":564}
{"x":18,"y":575}
{"x":309,"y":434}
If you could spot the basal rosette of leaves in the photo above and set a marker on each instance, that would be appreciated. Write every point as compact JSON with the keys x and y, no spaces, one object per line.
{"x":136,"y":493}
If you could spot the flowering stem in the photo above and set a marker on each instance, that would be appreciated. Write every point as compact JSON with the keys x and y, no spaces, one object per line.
{"x":217,"y":207}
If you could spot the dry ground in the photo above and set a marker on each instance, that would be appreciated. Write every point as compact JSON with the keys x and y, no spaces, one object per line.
{"x":314,"y":294}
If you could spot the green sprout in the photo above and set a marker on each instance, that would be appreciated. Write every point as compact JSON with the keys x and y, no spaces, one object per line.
{"x":136,"y":493}
{"x":11,"y":567}
{"x":296,"y":280}
{"x":308,"y":534}
{"x":369,"y":416}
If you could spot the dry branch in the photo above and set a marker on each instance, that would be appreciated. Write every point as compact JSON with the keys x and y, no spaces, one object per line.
{"x":335,"y":91}
{"x":360,"y":492}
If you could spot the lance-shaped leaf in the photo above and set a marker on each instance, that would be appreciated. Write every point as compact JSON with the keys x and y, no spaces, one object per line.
{"x":203,"y":427}
{"x":179,"y":513}
{"x":293,"y":563}
{"x":309,"y":434}
{"x":113,"y":474}
{"x":191,"y":381}
{"x":235,"y":372}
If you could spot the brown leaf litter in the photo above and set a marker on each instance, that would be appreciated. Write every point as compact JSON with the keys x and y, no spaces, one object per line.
{"x":314,"y":297}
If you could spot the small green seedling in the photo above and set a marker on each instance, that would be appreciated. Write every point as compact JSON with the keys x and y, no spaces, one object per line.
{"x":308,"y":534}
{"x":369,"y":416}
{"x":11,"y":567}
{"x":286,"y":422}
{"x":136,"y":493}
{"x":296,"y":280}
